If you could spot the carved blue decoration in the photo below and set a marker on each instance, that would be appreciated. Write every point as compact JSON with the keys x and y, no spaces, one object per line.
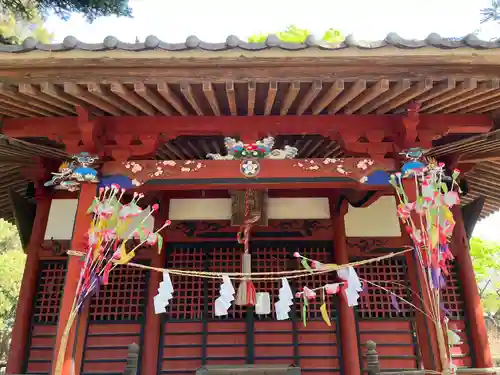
{"x":123,"y":181}
{"x":378,"y":178}
{"x":412,"y":167}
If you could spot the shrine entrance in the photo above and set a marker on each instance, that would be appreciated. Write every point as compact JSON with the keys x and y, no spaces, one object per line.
{"x":193,"y":336}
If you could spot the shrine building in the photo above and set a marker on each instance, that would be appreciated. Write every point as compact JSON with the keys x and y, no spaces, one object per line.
{"x":153,"y":111}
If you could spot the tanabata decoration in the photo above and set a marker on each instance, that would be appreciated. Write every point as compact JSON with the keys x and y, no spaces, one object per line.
{"x":116,"y":232}
{"x":165,"y":293}
{"x":224,"y":301}
{"x":114,"y":224}
{"x":429,"y":222}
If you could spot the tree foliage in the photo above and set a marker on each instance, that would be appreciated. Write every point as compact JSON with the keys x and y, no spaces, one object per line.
{"x":12,"y":260}
{"x":91,"y":9}
{"x":486,"y":260}
{"x":485,"y":257}
{"x":13,"y":29}
{"x":491,"y":13}
{"x":293,"y":34}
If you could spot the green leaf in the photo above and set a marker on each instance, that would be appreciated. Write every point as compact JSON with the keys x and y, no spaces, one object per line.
{"x":160,"y":243}
{"x":304,"y":312}
{"x":305,"y":264}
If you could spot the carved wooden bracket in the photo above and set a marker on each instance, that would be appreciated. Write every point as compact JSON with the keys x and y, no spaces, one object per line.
{"x":88,"y":137}
{"x":126,"y":145}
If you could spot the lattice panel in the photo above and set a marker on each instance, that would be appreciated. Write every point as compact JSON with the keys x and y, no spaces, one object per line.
{"x":187,"y":302}
{"x":49,"y":293}
{"x":225,"y":258}
{"x":269,"y":259}
{"x":452,"y":294}
{"x":391,"y":274}
{"x":123,"y":299}
{"x":323,"y":255}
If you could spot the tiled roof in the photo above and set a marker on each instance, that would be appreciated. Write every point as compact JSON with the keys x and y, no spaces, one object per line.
{"x":192,"y":42}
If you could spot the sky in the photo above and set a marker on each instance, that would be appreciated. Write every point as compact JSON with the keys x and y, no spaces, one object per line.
{"x":214,"y":20}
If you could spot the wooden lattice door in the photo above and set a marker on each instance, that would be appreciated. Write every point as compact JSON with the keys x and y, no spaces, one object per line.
{"x":379,"y":320}
{"x":194,"y":336}
{"x":454,"y":306}
{"x":117,"y":314}
{"x":45,"y":317}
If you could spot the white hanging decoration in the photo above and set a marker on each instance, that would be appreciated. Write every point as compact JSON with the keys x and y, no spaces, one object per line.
{"x":353,"y":285}
{"x":263,"y":303}
{"x":165,"y":293}
{"x":223,"y":302}
{"x":282,"y":306}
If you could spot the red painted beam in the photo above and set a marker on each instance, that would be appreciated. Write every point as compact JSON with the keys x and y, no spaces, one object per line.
{"x":255,"y":126}
{"x":226,"y":174}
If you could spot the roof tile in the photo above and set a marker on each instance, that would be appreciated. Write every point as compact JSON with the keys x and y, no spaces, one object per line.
{"x":272,"y":41}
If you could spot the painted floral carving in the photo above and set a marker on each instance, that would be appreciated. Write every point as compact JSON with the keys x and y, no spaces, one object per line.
{"x":249,"y":168}
{"x":358,"y":169}
{"x":263,"y":149}
{"x":162,"y":168}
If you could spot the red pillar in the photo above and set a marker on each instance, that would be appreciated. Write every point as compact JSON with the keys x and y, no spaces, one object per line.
{"x":152,"y":330}
{"x":348,"y":334}
{"x":24,"y":311}
{"x":63,"y":364}
{"x":473,"y":308}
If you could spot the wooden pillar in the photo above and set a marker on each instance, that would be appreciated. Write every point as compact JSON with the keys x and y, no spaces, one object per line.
{"x":152,"y":330}
{"x":348,"y":335}
{"x":426,"y":329}
{"x":24,"y":311}
{"x":474,"y":311}
{"x":82,"y":224}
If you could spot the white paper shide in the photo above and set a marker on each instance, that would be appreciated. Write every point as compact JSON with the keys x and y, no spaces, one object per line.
{"x":285,"y":300}
{"x":224,"y":301}
{"x":165,"y":293}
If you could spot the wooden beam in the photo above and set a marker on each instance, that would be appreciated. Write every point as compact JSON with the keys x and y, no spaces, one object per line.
{"x":367,"y":96}
{"x":131,"y":97}
{"x":152,"y":98}
{"x":405,"y":97}
{"x":59,"y":94}
{"x":290,"y":95}
{"x":438,"y":90}
{"x":252,"y":88}
{"x":271,"y":95}
{"x":209,"y":91}
{"x":335,"y":89}
{"x":34,"y":92}
{"x":463,"y":87}
{"x":312,"y":93}
{"x":352,"y":92}
{"x":219,"y":174}
{"x":393,"y":92}
{"x":39,"y":106}
{"x":97,"y":90}
{"x":275,"y":125}
{"x":171,"y":98}
{"x":191,"y":99}
{"x":231,"y":98}
{"x":78,"y":92}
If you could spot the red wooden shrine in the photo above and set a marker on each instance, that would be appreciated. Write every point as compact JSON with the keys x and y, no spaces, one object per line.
{"x":165,"y":157}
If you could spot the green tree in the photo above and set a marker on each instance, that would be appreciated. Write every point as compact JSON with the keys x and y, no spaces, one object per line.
{"x":13,"y":30}
{"x":12,"y":260}
{"x":91,"y":9}
{"x":491,"y":13}
{"x":293,"y":34}
{"x":486,"y":260}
